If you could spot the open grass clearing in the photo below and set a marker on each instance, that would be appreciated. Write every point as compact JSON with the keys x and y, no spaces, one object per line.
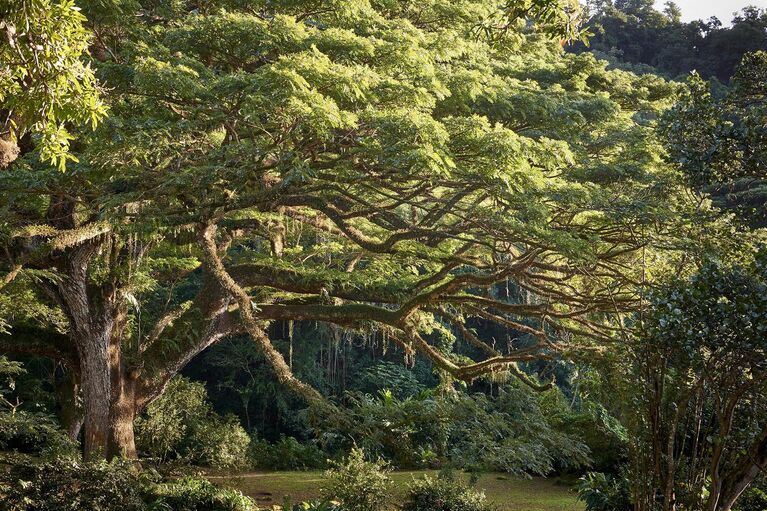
{"x":506,"y":492}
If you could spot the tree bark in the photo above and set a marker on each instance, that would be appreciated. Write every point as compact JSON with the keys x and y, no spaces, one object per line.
{"x":737,"y":481}
{"x":122,"y":415}
{"x":122,"y":411}
{"x":96,"y":396}
{"x":71,"y":412}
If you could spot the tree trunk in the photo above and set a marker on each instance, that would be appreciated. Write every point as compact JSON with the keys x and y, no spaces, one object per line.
{"x":737,"y":481}
{"x":108,"y":387}
{"x":96,"y":397}
{"x":71,"y":412}
{"x":122,"y":412}
{"x":122,"y":415}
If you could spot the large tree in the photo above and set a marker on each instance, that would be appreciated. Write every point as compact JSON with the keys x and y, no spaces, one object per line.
{"x":720,"y":140}
{"x":378,"y":166}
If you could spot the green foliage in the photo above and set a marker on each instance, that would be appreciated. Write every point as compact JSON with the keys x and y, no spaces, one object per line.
{"x":190,"y":494}
{"x":71,"y":486}
{"x":359,"y":485}
{"x":167,"y":421}
{"x":636,"y":34}
{"x":29,"y":432}
{"x":753,"y":499}
{"x":45,"y":85}
{"x":219,"y":442}
{"x":604,"y":492}
{"x":99,"y":486}
{"x":719,"y":140}
{"x":715,"y":322}
{"x":374,"y":166}
{"x":9,"y":370}
{"x":37,"y":434}
{"x":697,"y":382}
{"x":396,"y":378}
{"x":181,"y":424}
{"x":445,"y":493}
{"x":519,"y":431}
{"x":317,"y":505}
{"x":287,"y":453}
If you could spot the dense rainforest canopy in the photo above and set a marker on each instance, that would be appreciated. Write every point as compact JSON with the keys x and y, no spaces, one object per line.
{"x":233,"y":183}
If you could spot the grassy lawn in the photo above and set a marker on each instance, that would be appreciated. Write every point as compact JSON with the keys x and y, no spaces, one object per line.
{"x":508,"y":493}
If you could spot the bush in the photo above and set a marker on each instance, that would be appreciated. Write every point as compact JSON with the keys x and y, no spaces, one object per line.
{"x":161,"y":430}
{"x":396,"y":378}
{"x":36,"y":434}
{"x":444,"y":493}
{"x":519,"y":431}
{"x":358,"y":484}
{"x":317,"y":505}
{"x":753,"y":499}
{"x":181,"y":425}
{"x":602,"y":492}
{"x":286,"y":454}
{"x":71,"y":486}
{"x":189,"y":494}
{"x":218,"y":442}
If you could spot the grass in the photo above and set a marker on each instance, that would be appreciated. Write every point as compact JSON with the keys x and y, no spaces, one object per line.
{"x":507,"y":493}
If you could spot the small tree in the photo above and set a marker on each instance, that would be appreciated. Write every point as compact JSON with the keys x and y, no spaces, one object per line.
{"x":700,"y":373}
{"x":359,"y":484}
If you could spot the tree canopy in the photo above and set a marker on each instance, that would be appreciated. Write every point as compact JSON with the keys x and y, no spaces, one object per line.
{"x":45,"y":84}
{"x":376,"y":166}
{"x":719,"y":139}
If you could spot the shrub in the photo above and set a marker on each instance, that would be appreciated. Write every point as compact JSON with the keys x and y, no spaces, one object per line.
{"x":444,"y":493}
{"x":518,"y":431}
{"x":181,"y":425}
{"x":398,"y":379}
{"x":317,"y":505}
{"x":71,"y":486}
{"x":603,"y":492}
{"x":190,"y":494}
{"x":161,"y":430}
{"x":218,"y":442}
{"x":753,"y":499}
{"x":286,"y":454}
{"x":36,"y":434}
{"x":358,"y":484}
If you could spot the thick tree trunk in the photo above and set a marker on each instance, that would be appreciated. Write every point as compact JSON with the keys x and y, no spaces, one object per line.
{"x":71,"y":412}
{"x":96,"y":395}
{"x":110,"y":407}
{"x":122,"y":411}
{"x":122,"y":415}
{"x":108,"y":387}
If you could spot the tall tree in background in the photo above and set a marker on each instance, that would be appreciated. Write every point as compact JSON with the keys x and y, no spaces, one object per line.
{"x":375,"y":166}
{"x":720,"y":142}
{"x":698,"y":379}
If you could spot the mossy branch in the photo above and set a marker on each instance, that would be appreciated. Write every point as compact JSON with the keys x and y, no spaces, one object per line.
{"x":274,"y":357}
